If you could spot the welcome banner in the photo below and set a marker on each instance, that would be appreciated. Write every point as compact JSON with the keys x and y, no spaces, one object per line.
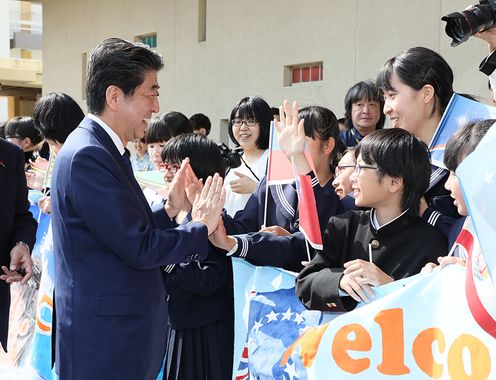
{"x":417,"y":328}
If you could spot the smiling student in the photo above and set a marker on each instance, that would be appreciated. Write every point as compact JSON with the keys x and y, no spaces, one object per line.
{"x":363,"y":249}
{"x":459,"y":146}
{"x":417,"y":85}
{"x":249,"y":128}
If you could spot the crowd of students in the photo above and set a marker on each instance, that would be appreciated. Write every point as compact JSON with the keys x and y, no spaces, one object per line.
{"x":385,"y":212}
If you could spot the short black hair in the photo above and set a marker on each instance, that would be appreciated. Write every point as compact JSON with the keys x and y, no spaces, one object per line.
{"x":22,"y":127}
{"x":363,"y":90}
{"x":417,"y":67}
{"x":167,"y":126}
{"x":56,"y":115}
{"x":253,"y":107}
{"x":320,"y":123}
{"x":119,"y":63}
{"x":156,"y":131}
{"x":177,"y":123}
{"x":197,"y":147}
{"x":398,"y":153}
{"x":464,"y":141}
{"x":199,"y":121}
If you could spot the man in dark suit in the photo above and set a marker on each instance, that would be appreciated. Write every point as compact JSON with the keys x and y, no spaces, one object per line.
{"x":109,"y":288}
{"x":17,"y":229}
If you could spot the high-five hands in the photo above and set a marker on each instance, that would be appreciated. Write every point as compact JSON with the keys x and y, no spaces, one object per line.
{"x":209,"y":203}
{"x":220,"y":239}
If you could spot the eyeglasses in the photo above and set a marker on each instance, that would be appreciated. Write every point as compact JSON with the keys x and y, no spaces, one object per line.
{"x":358,"y":168}
{"x":340,"y":168}
{"x":171,"y":168}
{"x":239,"y":122}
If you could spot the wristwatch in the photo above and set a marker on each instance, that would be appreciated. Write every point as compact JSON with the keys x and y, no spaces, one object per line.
{"x":20,"y":242}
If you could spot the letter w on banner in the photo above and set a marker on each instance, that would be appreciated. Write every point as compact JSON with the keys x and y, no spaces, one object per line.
{"x":477,"y":177}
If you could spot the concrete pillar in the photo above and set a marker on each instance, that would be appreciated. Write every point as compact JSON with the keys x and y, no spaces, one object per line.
{"x":4,"y":29}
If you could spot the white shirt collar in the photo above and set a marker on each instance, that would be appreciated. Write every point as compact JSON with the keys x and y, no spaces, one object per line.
{"x":117,"y":141}
{"x":375,"y":222}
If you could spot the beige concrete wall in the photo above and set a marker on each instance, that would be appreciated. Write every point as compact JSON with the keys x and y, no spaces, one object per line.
{"x":248,"y":42}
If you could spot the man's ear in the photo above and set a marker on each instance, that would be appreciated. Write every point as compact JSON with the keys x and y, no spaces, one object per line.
{"x":112,"y":96}
{"x":396,"y":185}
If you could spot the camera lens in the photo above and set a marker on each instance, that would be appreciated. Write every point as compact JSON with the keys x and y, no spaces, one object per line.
{"x":460,"y":26}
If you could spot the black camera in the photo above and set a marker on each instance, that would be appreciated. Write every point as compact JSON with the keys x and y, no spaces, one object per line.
{"x":232,"y":157}
{"x":460,"y":26}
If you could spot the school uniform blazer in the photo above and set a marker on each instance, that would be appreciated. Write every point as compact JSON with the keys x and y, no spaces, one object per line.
{"x":109,"y":289}
{"x":400,"y":249}
{"x":282,"y":207}
{"x":200,"y":293}
{"x":16,"y":222}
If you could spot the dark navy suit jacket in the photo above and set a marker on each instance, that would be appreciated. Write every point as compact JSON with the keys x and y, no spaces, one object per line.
{"x":109,"y":290}
{"x":16,"y":222}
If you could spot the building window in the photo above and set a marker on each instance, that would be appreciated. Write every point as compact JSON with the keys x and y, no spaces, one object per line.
{"x":149,"y":39}
{"x":305,"y":73}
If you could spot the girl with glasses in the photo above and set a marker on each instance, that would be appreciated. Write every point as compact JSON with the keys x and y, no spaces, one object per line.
{"x":364,"y":249}
{"x":249,"y":128}
{"x":316,"y":127}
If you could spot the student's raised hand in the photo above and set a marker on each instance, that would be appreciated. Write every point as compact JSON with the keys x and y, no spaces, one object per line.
{"x":367,"y":272}
{"x":290,"y":130}
{"x":209,"y":203}
{"x":275,"y":230}
{"x":220,"y":239}
{"x":243,"y":184}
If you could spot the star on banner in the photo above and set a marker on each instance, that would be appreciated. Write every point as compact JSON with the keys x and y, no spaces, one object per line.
{"x":272,"y":316}
{"x":287,"y":315}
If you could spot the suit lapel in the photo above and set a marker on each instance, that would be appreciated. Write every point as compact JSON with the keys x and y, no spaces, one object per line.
{"x":109,"y":145}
